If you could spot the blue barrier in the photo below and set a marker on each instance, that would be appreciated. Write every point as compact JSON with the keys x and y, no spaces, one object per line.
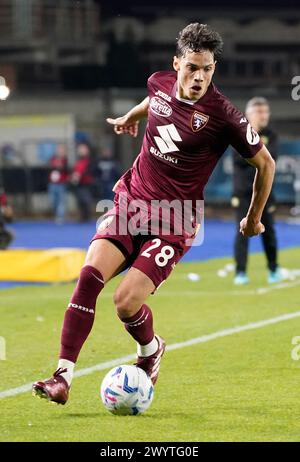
{"x":219,"y":187}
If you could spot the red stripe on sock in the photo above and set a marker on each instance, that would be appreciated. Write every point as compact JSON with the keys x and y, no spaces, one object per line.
{"x":140,"y":326}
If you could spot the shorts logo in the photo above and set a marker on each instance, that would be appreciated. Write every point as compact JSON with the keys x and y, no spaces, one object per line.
{"x":252,"y":136}
{"x":198,"y":121}
{"x":160,"y":107}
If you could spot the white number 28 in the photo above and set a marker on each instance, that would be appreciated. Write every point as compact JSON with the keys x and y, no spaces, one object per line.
{"x":161,"y":258}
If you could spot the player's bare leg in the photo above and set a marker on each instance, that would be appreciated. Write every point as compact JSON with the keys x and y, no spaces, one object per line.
{"x":137,"y":316}
{"x":103,"y":261}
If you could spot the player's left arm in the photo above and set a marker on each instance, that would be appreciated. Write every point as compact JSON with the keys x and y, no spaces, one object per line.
{"x":265,"y":169}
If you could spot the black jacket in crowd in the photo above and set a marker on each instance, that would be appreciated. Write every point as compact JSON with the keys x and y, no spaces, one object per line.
{"x":243,"y":172}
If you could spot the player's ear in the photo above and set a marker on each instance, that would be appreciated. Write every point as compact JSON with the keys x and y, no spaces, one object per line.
{"x":176,"y":65}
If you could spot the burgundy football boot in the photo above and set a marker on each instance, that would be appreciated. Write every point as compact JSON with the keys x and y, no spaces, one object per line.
{"x":150,"y":364}
{"x":55,"y":389}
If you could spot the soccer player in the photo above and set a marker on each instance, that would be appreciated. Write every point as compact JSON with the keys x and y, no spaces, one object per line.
{"x":258,"y":114}
{"x":190,"y":125}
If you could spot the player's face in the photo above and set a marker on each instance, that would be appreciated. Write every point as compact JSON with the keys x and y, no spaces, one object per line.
{"x":83,"y":150}
{"x":259,"y":116}
{"x":194,"y":73}
{"x":61,"y":150}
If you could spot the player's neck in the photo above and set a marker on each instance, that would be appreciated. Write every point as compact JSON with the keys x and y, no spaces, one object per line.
{"x":186,"y":100}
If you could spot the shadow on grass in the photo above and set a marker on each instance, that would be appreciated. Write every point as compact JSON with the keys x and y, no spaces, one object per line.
{"x":152,"y":416}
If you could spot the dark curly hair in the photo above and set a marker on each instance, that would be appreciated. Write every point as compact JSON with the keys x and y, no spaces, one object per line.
{"x":197,"y":37}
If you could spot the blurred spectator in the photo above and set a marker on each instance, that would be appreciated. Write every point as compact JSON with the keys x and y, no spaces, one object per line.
{"x":6,"y":214}
{"x":58,"y":178}
{"x":82,"y":180}
{"x":258,"y":114}
{"x":81,"y":137}
{"x":108,"y":173}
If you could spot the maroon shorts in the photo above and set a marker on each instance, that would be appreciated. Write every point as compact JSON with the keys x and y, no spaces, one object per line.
{"x":154,"y":255}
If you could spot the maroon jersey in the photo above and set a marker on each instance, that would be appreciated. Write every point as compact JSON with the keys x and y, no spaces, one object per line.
{"x":183,"y":142}
{"x":59,"y":170}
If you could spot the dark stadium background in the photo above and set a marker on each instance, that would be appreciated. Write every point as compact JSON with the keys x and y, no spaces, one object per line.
{"x":90,"y":59}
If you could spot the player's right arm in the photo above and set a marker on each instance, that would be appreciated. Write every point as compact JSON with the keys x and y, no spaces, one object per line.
{"x":129,"y":123}
{"x":265,"y":169}
{"x":248,"y":143}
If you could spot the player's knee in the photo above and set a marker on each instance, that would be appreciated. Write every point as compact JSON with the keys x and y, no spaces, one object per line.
{"x":84,"y":279}
{"x":90,"y":279}
{"x":126,"y":302}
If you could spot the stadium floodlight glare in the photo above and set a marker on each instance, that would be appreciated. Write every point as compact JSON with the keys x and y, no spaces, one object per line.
{"x":4,"y":90}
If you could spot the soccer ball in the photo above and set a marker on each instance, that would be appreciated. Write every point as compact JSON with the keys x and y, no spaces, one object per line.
{"x":126,"y":390}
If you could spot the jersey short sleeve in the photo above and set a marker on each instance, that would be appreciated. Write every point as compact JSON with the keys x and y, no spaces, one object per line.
{"x":151,"y":83}
{"x":241,"y":135}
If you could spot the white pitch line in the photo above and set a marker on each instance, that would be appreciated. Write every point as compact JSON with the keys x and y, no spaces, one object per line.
{"x":174,"y":346}
{"x":281,"y":285}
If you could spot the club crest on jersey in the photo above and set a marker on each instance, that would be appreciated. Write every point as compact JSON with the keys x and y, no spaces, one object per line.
{"x":160,"y":107}
{"x":198,"y":121}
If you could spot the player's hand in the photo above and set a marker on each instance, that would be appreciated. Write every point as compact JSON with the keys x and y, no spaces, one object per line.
{"x":250,"y":228}
{"x":124,"y":125}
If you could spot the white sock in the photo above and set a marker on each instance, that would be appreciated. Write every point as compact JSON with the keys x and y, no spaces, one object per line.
{"x":66,"y":364}
{"x":149,"y":349}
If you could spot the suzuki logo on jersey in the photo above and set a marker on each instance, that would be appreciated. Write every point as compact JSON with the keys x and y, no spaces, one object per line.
{"x":198,"y":121}
{"x":252,"y":136}
{"x":166,"y":157}
{"x":168,"y":134}
{"x":160,"y":107}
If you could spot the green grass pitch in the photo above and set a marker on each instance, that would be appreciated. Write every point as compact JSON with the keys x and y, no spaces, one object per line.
{"x":241,"y":387}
